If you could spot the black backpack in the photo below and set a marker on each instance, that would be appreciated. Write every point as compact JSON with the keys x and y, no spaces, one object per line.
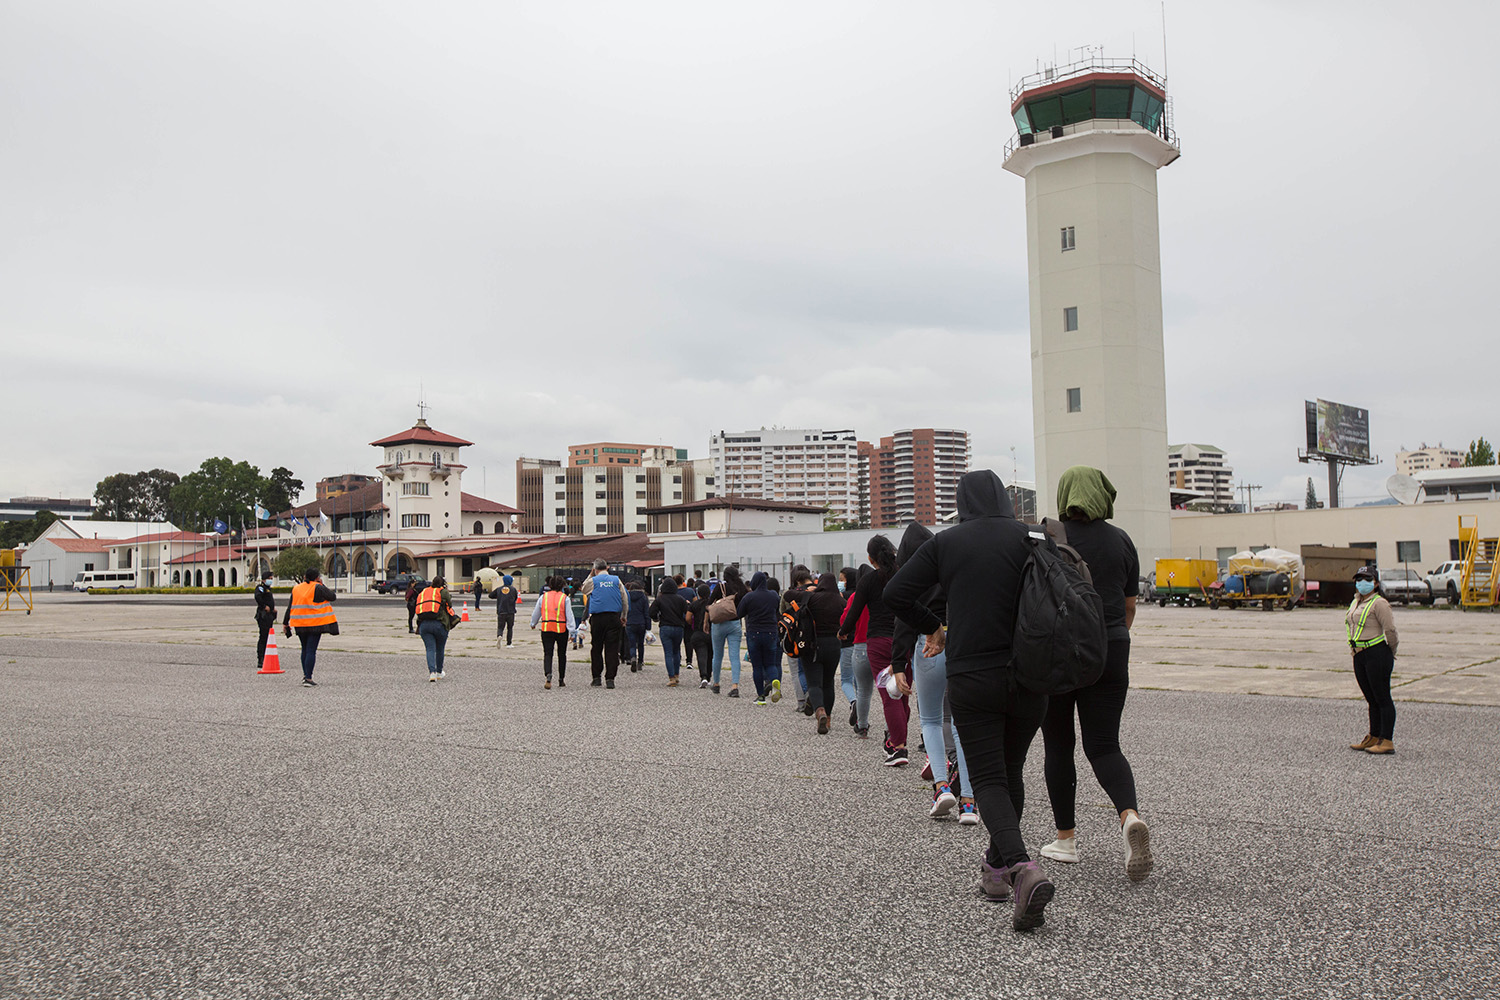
{"x":796,"y":632}
{"x":1059,"y":643}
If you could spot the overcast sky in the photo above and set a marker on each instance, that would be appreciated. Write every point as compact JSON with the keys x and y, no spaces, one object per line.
{"x":261,"y":229}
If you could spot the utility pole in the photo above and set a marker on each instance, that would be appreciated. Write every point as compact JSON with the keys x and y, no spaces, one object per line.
{"x":1247,"y":491}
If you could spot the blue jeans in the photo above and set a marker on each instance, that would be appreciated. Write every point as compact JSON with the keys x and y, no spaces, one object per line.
{"x":671,"y":647}
{"x":863,"y":680}
{"x":761,"y":646}
{"x":435,"y":638}
{"x":726,"y":634}
{"x":930,"y":682}
{"x":309,"y":651}
{"x":846,"y":672}
{"x":635,"y":643}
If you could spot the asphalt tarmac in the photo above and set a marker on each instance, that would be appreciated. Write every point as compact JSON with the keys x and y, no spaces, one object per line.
{"x":172,"y":825}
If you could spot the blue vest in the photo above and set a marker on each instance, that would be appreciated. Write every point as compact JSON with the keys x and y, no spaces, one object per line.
{"x":608,"y":594}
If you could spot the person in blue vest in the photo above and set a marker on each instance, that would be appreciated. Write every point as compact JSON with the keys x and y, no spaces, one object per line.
{"x":607,"y":609}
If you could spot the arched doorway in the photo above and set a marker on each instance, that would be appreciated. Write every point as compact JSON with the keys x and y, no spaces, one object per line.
{"x":399,"y":563}
{"x":265,"y":567}
{"x":234,"y":576}
{"x":221,"y":575}
{"x":364,"y":565}
{"x":337,"y":565}
{"x":198,"y":578}
{"x":176,"y":578}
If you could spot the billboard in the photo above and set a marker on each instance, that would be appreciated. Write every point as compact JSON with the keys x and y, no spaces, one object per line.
{"x":1338,"y":429}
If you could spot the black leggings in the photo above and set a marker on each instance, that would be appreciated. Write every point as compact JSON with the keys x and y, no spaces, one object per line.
{"x":996,"y":726}
{"x":557,"y":641}
{"x":821,"y":663}
{"x":1372,"y":668}
{"x":1099,"y":707}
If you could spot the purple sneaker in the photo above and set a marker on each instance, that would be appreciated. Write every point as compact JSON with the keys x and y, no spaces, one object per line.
{"x":994,"y":883}
{"x":1033,"y":891}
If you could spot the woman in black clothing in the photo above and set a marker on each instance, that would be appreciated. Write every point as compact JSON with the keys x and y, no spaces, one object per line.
{"x":698,"y":635}
{"x":869,"y":595}
{"x":1085,"y":499}
{"x":823,"y":612}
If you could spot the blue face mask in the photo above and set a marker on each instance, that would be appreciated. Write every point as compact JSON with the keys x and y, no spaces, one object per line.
{"x":841,"y":586}
{"x":1365,"y":587}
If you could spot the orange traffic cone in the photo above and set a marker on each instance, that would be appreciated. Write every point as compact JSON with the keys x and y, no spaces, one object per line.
{"x":466,"y":612}
{"x":272,"y":663}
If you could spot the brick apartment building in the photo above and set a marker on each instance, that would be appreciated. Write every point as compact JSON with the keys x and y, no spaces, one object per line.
{"x":912,"y":476}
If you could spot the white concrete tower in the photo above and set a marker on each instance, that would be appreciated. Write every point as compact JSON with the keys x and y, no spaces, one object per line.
{"x":1091,"y":137}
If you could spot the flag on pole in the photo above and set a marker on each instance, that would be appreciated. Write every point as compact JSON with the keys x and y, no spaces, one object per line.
{"x":220,"y":527}
{"x":261,"y":514}
{"x":323,"y":523}
{"x":306,"y":524}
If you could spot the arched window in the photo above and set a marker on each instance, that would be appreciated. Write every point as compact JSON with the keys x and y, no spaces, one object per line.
{"x":338,"y":565}
{"x":399,"y":563}
{"x":177,"y":578}
{"x":221,"y":575}
{"x":478,"y":527}
{"x":234,"y":576}
{"x":198,"y":578}
{"x":499,"y":527}
{"x":265,"y":567}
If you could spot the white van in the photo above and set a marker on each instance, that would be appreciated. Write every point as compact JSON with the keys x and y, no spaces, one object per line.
{"x":117,"y":579}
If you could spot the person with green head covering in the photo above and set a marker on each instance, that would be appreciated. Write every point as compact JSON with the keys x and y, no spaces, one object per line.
{"x":1086,"y":502}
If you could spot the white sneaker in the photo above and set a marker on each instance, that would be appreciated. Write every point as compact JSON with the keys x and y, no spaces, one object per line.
{"x":1137,"y":839}
{"x":1065,"y":851}
{"x":943,"y":803}
{"x":432,"y":678}
{"x":441,"y":674}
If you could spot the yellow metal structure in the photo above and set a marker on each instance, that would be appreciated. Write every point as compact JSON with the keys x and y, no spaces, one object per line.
{"x":1477,"y":584}
{"x":1184,"y":580}
{"x":17,"y":580}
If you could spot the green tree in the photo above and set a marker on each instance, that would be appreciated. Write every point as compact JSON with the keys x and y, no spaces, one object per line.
{"x":1481,"y":452}
{"x":293,"y":563}
{"x":220,"y":488}
{"x":13,"y":533}
{"x":281,"y":490}
{"x":139,"y":496}
{"x":1312,"y":495}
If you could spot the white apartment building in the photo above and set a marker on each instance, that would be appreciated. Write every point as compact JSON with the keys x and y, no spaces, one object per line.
{"x":607,"y":499}
{"x":1425,"y":458}
{"x":1201,"y":469}
{"x":820,"y":468}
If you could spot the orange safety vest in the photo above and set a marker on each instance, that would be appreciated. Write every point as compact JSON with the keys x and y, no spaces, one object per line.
{"x":306,"y":612}
{"x":430,"y":601}
{"x":554,"y":611}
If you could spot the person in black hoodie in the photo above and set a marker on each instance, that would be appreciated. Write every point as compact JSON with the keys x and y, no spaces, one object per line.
{"x":637,"y":624}
{"x":698,"y":637}
{"x":978,"y":562}
{"x":822,"y":613}
{"x":670,"y":612}
{"x":759,"y":610}
{"x":506,"y":596}
{"x":928,"y":677}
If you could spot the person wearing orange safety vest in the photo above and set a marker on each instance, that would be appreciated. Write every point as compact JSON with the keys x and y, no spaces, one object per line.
{"x":310,"y":612}
{"x":554,"y":613}
{"x":435,"y":618}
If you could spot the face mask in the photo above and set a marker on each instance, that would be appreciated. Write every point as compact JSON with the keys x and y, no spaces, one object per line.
{"x":1365,"y":587}
{"x":841,"y":586}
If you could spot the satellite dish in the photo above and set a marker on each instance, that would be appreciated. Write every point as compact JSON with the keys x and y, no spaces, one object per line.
{"x":1403,"y":488}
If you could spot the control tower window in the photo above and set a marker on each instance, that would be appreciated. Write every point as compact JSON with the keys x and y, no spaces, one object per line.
{"x":1067,"y":238}
{"x":1075,"y":400}
{"x":1070,"y":319}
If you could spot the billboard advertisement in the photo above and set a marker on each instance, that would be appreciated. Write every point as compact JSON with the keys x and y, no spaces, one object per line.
{"x":1338,"y":429}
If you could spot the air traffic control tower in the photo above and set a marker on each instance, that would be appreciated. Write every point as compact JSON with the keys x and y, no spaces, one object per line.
{"x":1090,"y":138}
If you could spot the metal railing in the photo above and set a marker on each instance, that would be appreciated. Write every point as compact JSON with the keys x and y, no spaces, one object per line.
{"x":1094,"y":64}
{"x":1163,"y":130}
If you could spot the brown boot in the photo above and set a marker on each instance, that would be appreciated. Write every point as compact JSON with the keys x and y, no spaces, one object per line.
{"x":1364,"y":744}
{"x":672,"y":682}
{"x":1381,"y":746}
{"x":822,"y":722}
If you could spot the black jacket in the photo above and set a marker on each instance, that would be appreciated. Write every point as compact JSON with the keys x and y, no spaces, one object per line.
{"x":505,"y":599}
{"x":978,"y":564}
{"x":869,"y":595}
{"x":824,"y":607}
{"x":761,"y":607}
{"x":669,"y":609}
{"x":904,"y":642}
{"x":638,"y":609}
{"x":265,"y":605}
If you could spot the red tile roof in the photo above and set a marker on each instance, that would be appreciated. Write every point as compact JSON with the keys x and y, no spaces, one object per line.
{"x":219,"y":553}
{"x":420,"y":433}
{"x":80,"y":544}
{"x":479,"y":505}
{"x":158,"y":537}
{"x":364,"y":498}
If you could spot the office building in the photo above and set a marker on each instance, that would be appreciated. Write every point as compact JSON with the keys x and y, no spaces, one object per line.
{"x":592,"y":495}
{"x":912,"y":476}
{"x":1426,"y":458}
{"x":1200,"y":469}
{"x":808,"y":466}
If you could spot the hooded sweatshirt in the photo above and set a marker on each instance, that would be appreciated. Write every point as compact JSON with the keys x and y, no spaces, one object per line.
{"x":869,"y":596}
{"x":825,"y":606}
{"x":761,"y":607}
{"x":978,"y":564}
{"x":669,"y":608}
{"x":904,"y":642}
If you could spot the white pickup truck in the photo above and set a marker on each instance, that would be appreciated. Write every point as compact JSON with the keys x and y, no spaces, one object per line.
{"x":1445,"y":579}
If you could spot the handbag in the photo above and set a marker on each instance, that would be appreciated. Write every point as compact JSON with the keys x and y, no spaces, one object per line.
{"x":722,"y":610}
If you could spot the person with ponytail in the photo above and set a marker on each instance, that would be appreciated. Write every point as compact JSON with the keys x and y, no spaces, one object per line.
{"x":869,"y":595}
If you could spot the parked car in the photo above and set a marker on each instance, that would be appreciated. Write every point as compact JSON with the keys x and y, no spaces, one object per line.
{"x":396,"y":584}
{"x":1148,"y":589}
{"x":1403,"y":586}
{"x":1445,"y":579}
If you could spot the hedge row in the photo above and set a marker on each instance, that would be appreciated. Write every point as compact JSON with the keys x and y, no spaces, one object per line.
{"x":181,"y":590}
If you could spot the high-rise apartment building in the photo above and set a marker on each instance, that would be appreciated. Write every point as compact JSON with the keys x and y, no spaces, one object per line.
{"x":605,"y":498}
{"x":1201,"y":468}
{"x":820,"y":468}
{"x":912,"y":476}
{"x":1427,"y":458}
{"x":614,"y":453}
